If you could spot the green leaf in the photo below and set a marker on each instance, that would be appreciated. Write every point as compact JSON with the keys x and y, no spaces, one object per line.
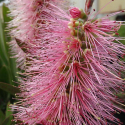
{"x":6,"y":11}
{"x":4,"y":74}
{"x":6,"y":62}
{"x":8,"y":110}
{"x":2,"y":116}
{"x":3,"y":51}
{"x":9,"y":88}
{"x":6,"y":19}
{"x":6,"y":121}
{"x":7,"y":70}
{"x":9,"y":113}
{"x":122,"y":33}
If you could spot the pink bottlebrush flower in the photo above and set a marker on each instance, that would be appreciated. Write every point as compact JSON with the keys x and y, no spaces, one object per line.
{"x":71,"y":68}
{"x":25,"y":17}
{"x":26,"y":20}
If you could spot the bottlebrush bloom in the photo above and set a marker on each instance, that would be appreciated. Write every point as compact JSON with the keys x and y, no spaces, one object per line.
{"x":72,"y":69}
{"x":27,"y":15}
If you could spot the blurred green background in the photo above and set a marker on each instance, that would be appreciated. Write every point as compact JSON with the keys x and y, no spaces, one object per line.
{"x":8,"y":70}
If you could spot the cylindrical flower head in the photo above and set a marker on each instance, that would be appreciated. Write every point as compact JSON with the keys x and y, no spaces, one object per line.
{"x":71,"y":70}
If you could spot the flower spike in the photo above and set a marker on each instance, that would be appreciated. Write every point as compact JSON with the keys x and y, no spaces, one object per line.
{"x":72,"y":64}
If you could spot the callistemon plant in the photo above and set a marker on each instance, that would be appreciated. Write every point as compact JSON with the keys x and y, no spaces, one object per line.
{"x":72,"y":64}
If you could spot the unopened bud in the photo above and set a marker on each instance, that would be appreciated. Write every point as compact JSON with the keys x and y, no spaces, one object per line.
{"x":70,"y":24}
{"x":74,"y":32}
{"x":70,"y":27}
{"x":75,"y":12}
{"x":77,"y":23}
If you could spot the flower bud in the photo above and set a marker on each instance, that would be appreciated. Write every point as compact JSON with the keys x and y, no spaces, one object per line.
{"x":75,"y":12}
{"x":74,"y":32}
{"x":77,"y":23}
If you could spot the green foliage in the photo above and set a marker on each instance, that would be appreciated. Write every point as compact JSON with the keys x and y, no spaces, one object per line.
{"x":7,"y":72}
{"x":1,"y":0}
{"x":9,"y":88}
{"x":122,"y":33}
{"x":2,"y":116}
{"x":7,"y":121}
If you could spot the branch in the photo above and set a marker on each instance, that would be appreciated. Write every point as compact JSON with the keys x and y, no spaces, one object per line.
{"x":88,"y":6}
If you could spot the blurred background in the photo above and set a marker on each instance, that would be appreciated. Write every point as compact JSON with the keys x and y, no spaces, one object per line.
{"x":114,"y":6}
{"x":8,"y":70}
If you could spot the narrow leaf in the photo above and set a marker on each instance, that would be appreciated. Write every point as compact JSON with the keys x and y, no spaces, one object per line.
{"x":9,"y":88}
{"x":6,"y":121}
{"x":8,"y":110}
{"x":9,"y":113}
{"x":2,"y":116}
